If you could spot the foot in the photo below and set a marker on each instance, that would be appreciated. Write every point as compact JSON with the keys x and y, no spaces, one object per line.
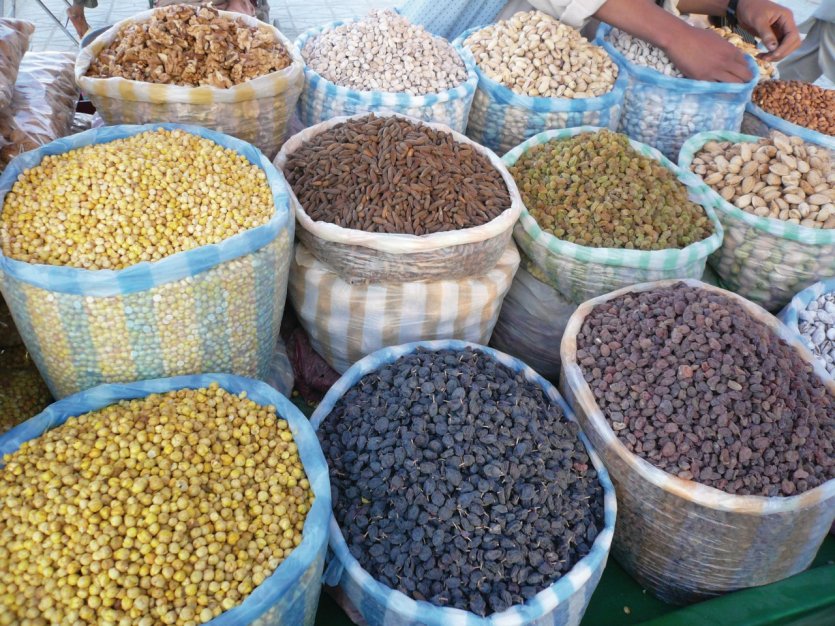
{"x":79,"y":21}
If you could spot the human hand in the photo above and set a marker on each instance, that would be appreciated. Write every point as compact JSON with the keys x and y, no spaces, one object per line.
{"x":772,"y":23}
{"x":703,"y":55}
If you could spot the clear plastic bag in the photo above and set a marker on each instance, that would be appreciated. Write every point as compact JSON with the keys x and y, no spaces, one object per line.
{"x":257,"y":111}
{"x":501,"y":119}
{"x":347,"y":322}
{"x":563,"y":603}
{"x":14,"y":40}
{"x":763,"y":259}
{"x":216,"y":308}
{"x":681,"y":540}
{"x":581,"y":272}
{"x":291,"y":594}
{"x":322,"y":100}
{"x":790,"y":315}
{"x":663,"y":112}
{"x":359,"y":256}
{"x":758,"y":122}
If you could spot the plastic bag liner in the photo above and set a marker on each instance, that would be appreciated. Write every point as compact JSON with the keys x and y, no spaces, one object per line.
{"x":764,"y":259}
{"x":757,"y":122}
{"x":257,"y":111}
{"x":347,"y":322}
{"x":322,"y":99}
{"x":581,"y":272}
{"x":360,"y":256}
{"x":790,"y":315}
{"x":280,"y":376}
{"x":291,"y":594}
{"x":685,"y":541}
{"x":563,"y":603}
{"x":14,"y":40}
{"x":214,"y":308}
{"x":663,"y":111}
{"x":502,"y":119}
{"x":532,"y":321}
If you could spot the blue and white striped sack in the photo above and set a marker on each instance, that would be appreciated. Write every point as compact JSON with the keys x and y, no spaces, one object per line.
{"x":662,"y":111}
{"x":501,"y":119}
{"x":582,"y":272}
{"x":764,"y":259}
{"x":291,"y":594}
{"x":214,"y":308}
{"x":561,"y":604}
{"x":322,"y":99}
{"x":795,"y":312}
{"x":681,"y":540}
{"x":758,"y":122}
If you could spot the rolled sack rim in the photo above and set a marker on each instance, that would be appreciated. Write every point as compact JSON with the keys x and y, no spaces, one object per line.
{"x":785,"y":126}
{"x":400,"y":243}
{"x":692,"y":491}
{"x":546,"y":600}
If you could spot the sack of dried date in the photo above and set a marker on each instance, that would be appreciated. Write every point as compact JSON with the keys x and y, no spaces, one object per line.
{"x":195,"y":65}
{"x":388,"y":198}
{"x":716,"y":425}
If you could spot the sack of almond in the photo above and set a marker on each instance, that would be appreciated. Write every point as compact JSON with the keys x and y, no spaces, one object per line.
{"x":777,"y":208}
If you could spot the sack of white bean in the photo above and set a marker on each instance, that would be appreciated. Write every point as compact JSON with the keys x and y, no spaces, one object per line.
{"x":811,"y":314}
{"x":246,"y":86}
{"x":346,"y":322}
{"x":147,"y":296}
{"x":662,"y":109}
{"x":516,"y":101}
{"x":386,"y":198}
{"x":780,"y":229}
{"x":683,"y":389}
{"x":382,"y":63}
{"x":580,"y":272}
{"x":758,"y":122}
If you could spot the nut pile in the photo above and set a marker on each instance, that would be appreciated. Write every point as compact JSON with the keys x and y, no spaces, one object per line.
{"x":817,"y":325}
{"x":23,"y":393}
{"x":767,"y":68}
{"x":385,"y":52}
{"x":191,"y":46}
{"x":392,"y":175}
{"x":457,"y":482}
{"x":595,"y":189}
{"x":643,"y":53}
{"x":143,"y":198}
{"x":800,"y":103}
{"x":535,"y":54}
{"x":778,"y":177}
{"x":166,"y":510}
{"x":694,"y":384}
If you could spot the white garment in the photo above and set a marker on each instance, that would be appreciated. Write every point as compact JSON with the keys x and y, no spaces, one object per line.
{"x":572,"y":12}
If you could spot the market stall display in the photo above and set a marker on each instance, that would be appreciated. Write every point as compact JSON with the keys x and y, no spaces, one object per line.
{"x":14,"y":40}
{"x":195,"y":65}
{"x":663,"y":110}
{"x":466,"y":488}
{"x":767,"y":68}
{"x":162,"y":528}
{"x":382,"y":62}
{"x":778,"y":211}
{"x":602,"y":212}
{"x":386,"y":198}
{"x":811,"y":314}
{"x":536,"y":74}
{"x":687,"y":392}
{"x":143,"y":291}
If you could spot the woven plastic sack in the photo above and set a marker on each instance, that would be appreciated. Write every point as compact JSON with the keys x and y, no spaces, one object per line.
{"x":43,"y":105}
{"x":684,"y":541}
{"x":322,"y":99}
{"x":257,"y":111}
{"x":14,"y":40}
{"x":764,"y":259}
{"x":757,"y":122}
{"x":532,"y":321}
{"x":359,"y":256}
{"x":501,"y":119}
{"x":663,"y":112}
{"x":790,"y":315}
{"x":561,"y":604}
{"x":347,"y":322}
{"x":581,"y":272}
{"x":216,"y":308}
{"x":291,"y":594}
{"x":280,"y":375}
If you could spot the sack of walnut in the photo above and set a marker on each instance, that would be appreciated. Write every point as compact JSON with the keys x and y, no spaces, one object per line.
{"x":778,"y":215}
{"x":14,"y":40}
{"x":195,"y":65}
{"x":347,"y":322}
{"x":715,"y":424}
{"x":383,"y":63}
